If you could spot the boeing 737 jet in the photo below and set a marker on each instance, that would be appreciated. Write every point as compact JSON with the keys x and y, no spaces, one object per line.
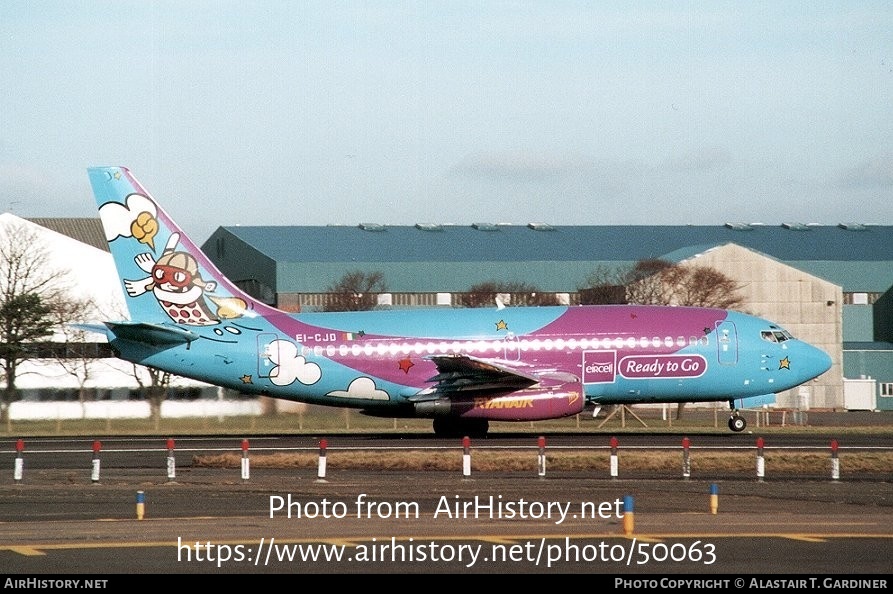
{"x":461,"y":367}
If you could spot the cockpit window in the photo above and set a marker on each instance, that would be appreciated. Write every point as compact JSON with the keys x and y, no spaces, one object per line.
{"x":776,"y":335}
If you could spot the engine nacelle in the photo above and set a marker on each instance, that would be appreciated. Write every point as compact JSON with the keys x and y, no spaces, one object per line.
{"x":533,"y":404}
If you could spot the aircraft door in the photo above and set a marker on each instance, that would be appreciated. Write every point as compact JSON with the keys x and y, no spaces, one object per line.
{"x":265,"y":356}
{"x":511,"y":347}
{"x":727,"y":343}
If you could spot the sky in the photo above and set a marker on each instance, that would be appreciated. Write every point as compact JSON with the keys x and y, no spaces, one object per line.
{"x":452,"y":112}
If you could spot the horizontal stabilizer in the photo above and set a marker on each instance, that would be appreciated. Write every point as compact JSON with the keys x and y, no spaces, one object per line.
{"x":97,"y":328}
{"x":151,"y":334}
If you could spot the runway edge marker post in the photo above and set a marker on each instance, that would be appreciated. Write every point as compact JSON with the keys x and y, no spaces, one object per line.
{"x":614,"y":461}
{"x":686,"y":458}
{"x":541,"y":457}
{"x":321,"y":468}
{"x":171,"y":462}
{"x":94,"y":473}
{"x":835,"y":461}
{"x":246,"y":465}
{"x":761,"y":462}
{"x":19,"y":469}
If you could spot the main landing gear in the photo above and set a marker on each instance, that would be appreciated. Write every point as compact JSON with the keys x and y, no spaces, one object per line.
{"x":737,"y":423}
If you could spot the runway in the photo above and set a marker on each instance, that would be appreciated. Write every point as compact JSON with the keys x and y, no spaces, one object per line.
{"x":134,"y":520}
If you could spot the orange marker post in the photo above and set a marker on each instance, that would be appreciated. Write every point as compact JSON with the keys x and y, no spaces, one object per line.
{"x":466,"y":456}
{"x":140,"y":505}
{"x":629,"y":520}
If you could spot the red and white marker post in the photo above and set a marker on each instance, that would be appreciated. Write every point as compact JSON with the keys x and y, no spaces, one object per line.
{"x":94,"y":475}
{"x":614,"y":462}
{"x":246,"y":465}
{"x":19,"y":470}
{"x":541,"y":457}
{"x":835,"y":461}
{"x":171,"y":463}
{"x":321,"y":470}
{"x":761,"y":462}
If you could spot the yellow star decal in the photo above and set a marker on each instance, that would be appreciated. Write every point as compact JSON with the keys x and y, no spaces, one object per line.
{"x":246,"y":379}
{"x":784,"y":363}
{"x":501,"y":325}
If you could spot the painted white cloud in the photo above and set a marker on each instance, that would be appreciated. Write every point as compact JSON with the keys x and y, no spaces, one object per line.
{"x":290,"y":366}
{"x":117,"y":218}
{"x":362,"y":387}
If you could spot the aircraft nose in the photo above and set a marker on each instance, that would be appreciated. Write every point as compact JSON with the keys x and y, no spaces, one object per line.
{"x":817,"y":361}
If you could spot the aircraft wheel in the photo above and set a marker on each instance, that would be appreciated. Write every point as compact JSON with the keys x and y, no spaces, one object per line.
{"x":737,"y":423}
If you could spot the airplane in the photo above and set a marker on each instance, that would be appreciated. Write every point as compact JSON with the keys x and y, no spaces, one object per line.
{"x":460,"y":367}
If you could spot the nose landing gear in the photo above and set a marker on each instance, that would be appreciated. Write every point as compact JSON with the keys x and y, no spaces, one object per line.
{"x":737,"y":423}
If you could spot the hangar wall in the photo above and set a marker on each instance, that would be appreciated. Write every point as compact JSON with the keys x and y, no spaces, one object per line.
{"x":807,"y":306}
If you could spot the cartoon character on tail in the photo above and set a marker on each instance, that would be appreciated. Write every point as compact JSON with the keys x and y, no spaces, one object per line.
{"x":175,"y":281}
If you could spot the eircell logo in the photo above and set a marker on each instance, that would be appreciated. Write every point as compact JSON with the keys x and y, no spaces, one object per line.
{"x":599,"y":367}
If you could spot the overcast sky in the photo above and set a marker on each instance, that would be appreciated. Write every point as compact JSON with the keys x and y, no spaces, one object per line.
{"x":315,"y":113}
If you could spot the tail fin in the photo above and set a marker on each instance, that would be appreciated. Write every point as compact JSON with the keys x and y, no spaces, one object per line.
{"x":166,"y":278}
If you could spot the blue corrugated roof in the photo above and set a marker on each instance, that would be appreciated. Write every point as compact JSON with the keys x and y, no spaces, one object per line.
{"x":455,"y":243}
{"x":868,"y":346}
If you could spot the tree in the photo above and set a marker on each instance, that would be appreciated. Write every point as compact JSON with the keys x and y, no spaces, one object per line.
{"x":155,"y":389}
{"x":649,"y":282}
{"x":684,"y":284}
{"x":516,"y":293}
{"x":31,"y":296}
{"x":77,"y":355}
{"x":603,"y":286}
{"x":355,"y":291}
{"x":659,"y":282}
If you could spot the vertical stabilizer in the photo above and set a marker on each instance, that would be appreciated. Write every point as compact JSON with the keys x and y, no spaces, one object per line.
{"x":166,"y":278}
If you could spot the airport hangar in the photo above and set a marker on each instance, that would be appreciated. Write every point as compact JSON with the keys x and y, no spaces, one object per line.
{"x":831,"y":285}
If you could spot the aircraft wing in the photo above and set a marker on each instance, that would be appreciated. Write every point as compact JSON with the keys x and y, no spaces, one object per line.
{"x":469,"y":376}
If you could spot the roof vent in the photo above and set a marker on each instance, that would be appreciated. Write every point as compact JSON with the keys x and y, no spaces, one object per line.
{"x":371,"y":227}
{"x":541,"y":226}
{"x":796,"y":226}
{"x":485,"y":226}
